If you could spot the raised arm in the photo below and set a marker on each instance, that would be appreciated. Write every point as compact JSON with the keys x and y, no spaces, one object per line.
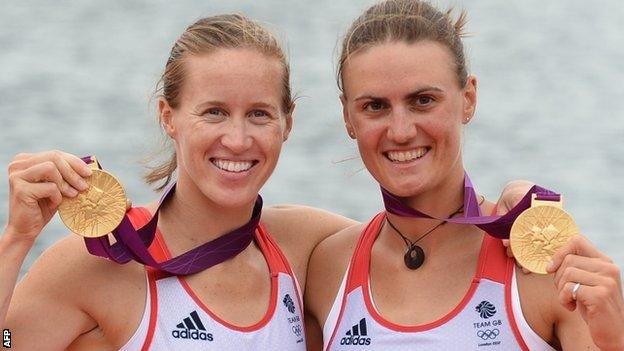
{"x":37,"y":183}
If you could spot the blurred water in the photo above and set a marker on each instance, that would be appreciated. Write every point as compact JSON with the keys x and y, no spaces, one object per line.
{"x":79,"y":77}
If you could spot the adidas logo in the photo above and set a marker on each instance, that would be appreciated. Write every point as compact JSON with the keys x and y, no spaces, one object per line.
{"x":356,"y":335}
{"x":191,"y":328}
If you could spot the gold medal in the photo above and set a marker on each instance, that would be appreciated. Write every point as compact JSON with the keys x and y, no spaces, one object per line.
{"x":98,"y":210}
{"x":540,"y":231}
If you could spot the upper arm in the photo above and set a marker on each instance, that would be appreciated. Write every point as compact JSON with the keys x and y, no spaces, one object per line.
{"x":572,"y":331}
{"x":45,"y":312}
{"x":547,"y":317}
{"x":328,"y":265}
{"x":298,"y":229}
{"x":314,"y":334}
{"x":316,"y":224}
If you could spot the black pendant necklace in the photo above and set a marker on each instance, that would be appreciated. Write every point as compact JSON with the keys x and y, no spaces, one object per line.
{"x":414,"y":256}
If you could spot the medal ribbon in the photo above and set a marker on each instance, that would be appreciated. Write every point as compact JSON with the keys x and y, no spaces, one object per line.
{"x":497,"y":226}
{"x":132,"y":244}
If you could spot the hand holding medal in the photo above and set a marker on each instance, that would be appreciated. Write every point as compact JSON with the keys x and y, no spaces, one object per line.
{"x":538,"y":232}
{"x":99,"y":209}
{"x":38,"y":183}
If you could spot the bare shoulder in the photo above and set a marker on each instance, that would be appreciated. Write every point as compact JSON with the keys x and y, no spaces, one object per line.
{"x":298,"y":229}
{"x":69,"y":262}
{"x":76,"y":292}
{"x":328,"y":265}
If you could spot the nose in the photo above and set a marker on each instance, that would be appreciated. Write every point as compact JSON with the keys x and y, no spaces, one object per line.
{"x":236,"y":137}
{"x":402,"y":126}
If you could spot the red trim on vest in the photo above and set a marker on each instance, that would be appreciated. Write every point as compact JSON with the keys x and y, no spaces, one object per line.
{"x":275,"y":266}
{"x":138,"y":216}
{"x":359,"y":267}
{"x":274,"y":257}
{"x":353,"y":272}
{"x":366,"y":254}
{"x":153,"y":310}
{"x":495,"y":263}
{"x":504,"y":268}
{"x":491,"y":264}
{"x":282,"y":265}
{"x":511,"y":265}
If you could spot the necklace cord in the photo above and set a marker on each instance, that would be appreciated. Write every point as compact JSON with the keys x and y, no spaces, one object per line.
{"x":409,"y":243}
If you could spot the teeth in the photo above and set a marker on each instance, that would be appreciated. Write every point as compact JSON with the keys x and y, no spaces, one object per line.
{"x":232,"y":166}
{"x":402,"y":156}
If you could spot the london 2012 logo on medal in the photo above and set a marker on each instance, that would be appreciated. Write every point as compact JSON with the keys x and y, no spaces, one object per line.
{"x":98,"y":210}
{"x":539,"y":232}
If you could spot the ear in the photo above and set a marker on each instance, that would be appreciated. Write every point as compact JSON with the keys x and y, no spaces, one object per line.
{"x":346,"y":117}
{"x":165,"y":115}
{"x":470,"y":99}
{"x":289,"y":122}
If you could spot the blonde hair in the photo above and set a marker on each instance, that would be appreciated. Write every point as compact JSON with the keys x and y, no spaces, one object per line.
{"x":409,"y":21}
{"x":204,"y":36}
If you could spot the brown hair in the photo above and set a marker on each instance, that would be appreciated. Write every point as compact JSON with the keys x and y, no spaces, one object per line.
{"x":204,"y":36}
{"x":409,"y":21}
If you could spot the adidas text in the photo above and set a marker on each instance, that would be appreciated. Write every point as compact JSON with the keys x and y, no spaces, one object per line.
{"x":355,"y":340}
{"x":191,"y":334}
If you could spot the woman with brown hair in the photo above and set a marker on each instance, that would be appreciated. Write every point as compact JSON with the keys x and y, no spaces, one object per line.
{"x":415,"y":277}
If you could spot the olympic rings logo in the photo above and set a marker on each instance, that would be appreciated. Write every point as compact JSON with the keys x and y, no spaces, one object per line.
{"x":297,"y":330}
{"x":488,"y":334}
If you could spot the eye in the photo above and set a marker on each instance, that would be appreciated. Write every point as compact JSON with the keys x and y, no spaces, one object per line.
{"x":259,"y":114}
{"x":423,"y":101}
{"x":214,"y":112}
{"x":374,"y":106}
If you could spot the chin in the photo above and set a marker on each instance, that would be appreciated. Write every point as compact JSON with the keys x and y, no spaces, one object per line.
{"x":230,"y":198}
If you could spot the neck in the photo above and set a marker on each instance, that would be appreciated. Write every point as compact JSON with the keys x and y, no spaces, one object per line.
{"x":189,"y":218}
{"x":441,"y":202}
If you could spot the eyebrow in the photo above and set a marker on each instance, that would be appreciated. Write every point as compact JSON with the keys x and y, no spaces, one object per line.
{"x":416,"y":93}
{"x":264,"y":105}
{"x":222,"y":104}
{"x":409,"y":96}
{"x":201,"y":105}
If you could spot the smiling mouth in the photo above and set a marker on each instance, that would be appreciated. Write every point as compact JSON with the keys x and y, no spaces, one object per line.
{"x":233,"y":166}
{"x":407,"y":155}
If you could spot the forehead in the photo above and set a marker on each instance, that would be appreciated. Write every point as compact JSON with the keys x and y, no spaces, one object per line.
{"x":243,"y":74}
{"x":395,"y":66}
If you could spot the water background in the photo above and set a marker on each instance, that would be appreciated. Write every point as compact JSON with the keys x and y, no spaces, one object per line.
{"x":78,"y":76}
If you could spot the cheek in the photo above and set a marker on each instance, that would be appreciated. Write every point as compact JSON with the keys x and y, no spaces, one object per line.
{"x":445,"y":131}
{"x":369,"y":135}
{"x":270,"y":141}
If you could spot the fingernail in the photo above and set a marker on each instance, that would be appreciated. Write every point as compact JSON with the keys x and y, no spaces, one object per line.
{"x":82,"y":185}
{"x":550,"y":265}
{"x":86,"y":171}
{"x":72,"y":192}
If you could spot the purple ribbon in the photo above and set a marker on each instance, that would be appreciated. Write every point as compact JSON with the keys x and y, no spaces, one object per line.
{"x":497,"y":226}
{"x":132,"y":244}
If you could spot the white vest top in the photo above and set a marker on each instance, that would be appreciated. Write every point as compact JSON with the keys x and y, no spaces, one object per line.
{"x":175,"y":318}
{"x":484,"y":320}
